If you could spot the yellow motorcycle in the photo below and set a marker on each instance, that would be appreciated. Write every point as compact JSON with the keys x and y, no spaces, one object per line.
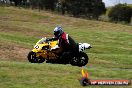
{"x":42,"y":52}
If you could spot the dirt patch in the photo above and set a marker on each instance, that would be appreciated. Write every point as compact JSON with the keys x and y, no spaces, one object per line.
{"x":11,"y":29}
{"x":13,"y":52}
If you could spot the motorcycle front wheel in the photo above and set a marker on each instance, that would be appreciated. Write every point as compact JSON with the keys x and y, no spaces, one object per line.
{"x":33,"y":59}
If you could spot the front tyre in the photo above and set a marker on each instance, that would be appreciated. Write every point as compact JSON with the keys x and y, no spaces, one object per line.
{"x":33,"y":59}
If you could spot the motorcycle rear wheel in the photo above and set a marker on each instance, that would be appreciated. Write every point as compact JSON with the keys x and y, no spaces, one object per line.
{"x":80,"y":60}
{"x":33,"y":59}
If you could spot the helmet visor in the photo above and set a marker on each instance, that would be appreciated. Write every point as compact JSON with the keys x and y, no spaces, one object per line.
{"x":56,"y":33}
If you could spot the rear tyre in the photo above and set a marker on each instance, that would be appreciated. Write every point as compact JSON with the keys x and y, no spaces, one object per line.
{"x":83,"y":59}
{"x":33,"y":59}
{"x":80,"y":60}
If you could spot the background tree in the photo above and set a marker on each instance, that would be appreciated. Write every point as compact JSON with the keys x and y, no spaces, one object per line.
{"x":88,"y":8}
{"x":98,"y":9}
{"x":17,"y":2}
{"x":61,"y":6}
{"x":44,"y":4}
{"x":34,"y":3}
{"x":50,"y":4}
{"x":120,"y":12}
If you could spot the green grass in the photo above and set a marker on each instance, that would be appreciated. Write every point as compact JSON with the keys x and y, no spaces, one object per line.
{"x":110,"y":57}
{"x":22,"y":74}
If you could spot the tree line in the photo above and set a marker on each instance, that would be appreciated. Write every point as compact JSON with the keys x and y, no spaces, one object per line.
{"x":90,"y":9}
{"x":78,"y":8}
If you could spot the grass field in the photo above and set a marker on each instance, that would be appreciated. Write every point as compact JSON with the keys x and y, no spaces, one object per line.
{"x":110,"y":57}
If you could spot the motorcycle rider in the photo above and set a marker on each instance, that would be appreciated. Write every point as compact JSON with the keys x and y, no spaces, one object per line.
{"x":65,"y":42}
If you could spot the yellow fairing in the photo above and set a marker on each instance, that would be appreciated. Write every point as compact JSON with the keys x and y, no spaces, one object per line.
{"x":53,"y":43}
{"x":38,"y":48}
